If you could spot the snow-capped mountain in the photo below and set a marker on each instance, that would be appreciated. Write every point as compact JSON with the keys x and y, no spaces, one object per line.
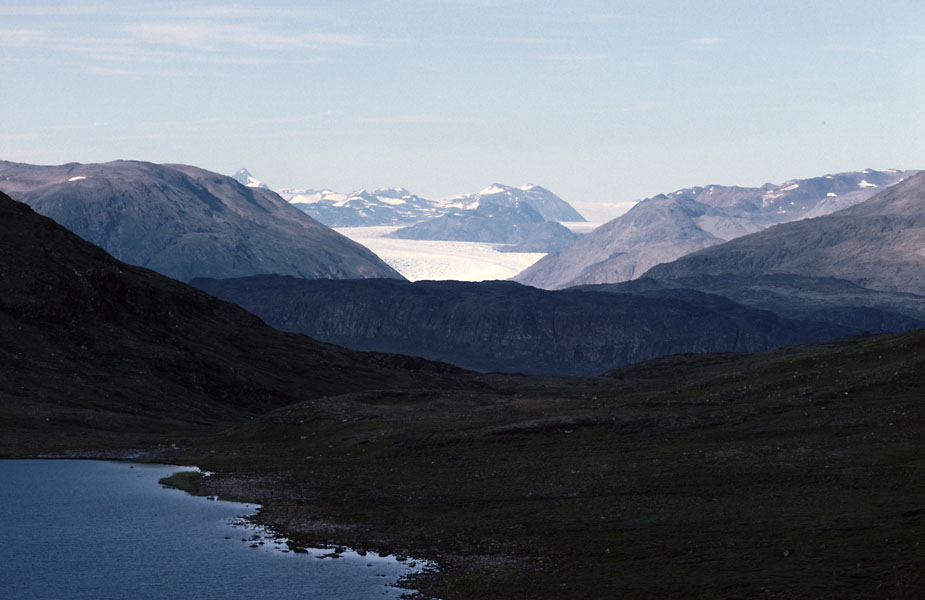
{"x":547,"y":204}
{"x":362,"y":208}
{"x":525,"y":217}
{"x":878,"y":244}
{"x":308,"y":195}
{"x":667,"y":226}
{"x":398,"y":206}
{"x":244,"y":177}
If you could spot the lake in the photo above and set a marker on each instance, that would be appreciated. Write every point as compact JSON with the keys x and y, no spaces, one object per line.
{"x":103,"y":530}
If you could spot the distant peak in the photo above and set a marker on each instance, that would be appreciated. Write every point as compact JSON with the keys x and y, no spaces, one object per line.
{"x":244,"y":177}
{"x":399,"y":192}
{"x":495,"y":188}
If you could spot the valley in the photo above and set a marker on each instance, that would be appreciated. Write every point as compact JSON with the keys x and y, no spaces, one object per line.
{"x":462,"y":300}
{"x":793,"y":473}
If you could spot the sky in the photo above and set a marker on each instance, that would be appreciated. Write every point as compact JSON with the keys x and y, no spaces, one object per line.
{"x":597,"y":101}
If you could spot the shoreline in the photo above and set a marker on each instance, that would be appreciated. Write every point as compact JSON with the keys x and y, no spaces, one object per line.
{"x":190,"y":481}
{"x":794,"y":474}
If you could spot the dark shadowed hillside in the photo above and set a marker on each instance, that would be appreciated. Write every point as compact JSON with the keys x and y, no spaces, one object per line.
{"x":89,"y":342}
{"x":504,"y":326}
{"x":794,"y":296}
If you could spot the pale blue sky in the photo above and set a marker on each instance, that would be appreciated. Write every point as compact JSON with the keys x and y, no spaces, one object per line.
{"x":598,"y":101}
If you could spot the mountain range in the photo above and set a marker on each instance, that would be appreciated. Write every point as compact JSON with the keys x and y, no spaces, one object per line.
{"x":856,"y":270}
{"x":878,"y":244}
{"x":186,"y":222}
{"x":398,"y":206}
{"x":395,"y":206}
{"x":794,"y":474}
{"x":665,"y":227}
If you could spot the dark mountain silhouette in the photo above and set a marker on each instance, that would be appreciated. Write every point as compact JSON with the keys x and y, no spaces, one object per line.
{"x":505,"y":326}
{"x":87,"y":341}
{"x":824,"y":299}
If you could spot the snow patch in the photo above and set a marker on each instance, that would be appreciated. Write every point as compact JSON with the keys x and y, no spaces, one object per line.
{"x":831,"y":195}
{"x":865,"y":184}
{"x":391,"y":201}
{"x":790,"y":187}
{"x":78,"y":178}
{"x":244,"y":177}
{"x":492,"y":189}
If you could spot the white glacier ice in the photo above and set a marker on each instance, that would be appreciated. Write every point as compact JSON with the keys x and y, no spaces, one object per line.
{"x":439,"y":260}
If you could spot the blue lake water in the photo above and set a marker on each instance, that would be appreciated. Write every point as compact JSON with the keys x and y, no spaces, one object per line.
{"x":108,"y":530}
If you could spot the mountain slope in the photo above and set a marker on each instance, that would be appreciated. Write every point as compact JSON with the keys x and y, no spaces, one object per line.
{"x":497,"y":219}
{"x":547,"y":204}
{"x":666,"y":227}
{"x":185,"y":222}
{"x":87,"y":341}
{"x":504,"y":326}
{"x":878,"y":244}
{"x":824,"y":299}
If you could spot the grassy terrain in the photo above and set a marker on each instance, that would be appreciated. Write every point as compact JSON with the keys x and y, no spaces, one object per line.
{"x":797,"y":474}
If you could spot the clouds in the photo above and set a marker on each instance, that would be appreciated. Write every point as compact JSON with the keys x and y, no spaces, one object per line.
{"x":167,"y":32}
{"x":853,"y":49}
{"x":419,"y":92}
{"x":167,"y":9}
{"x":213,"y":36}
